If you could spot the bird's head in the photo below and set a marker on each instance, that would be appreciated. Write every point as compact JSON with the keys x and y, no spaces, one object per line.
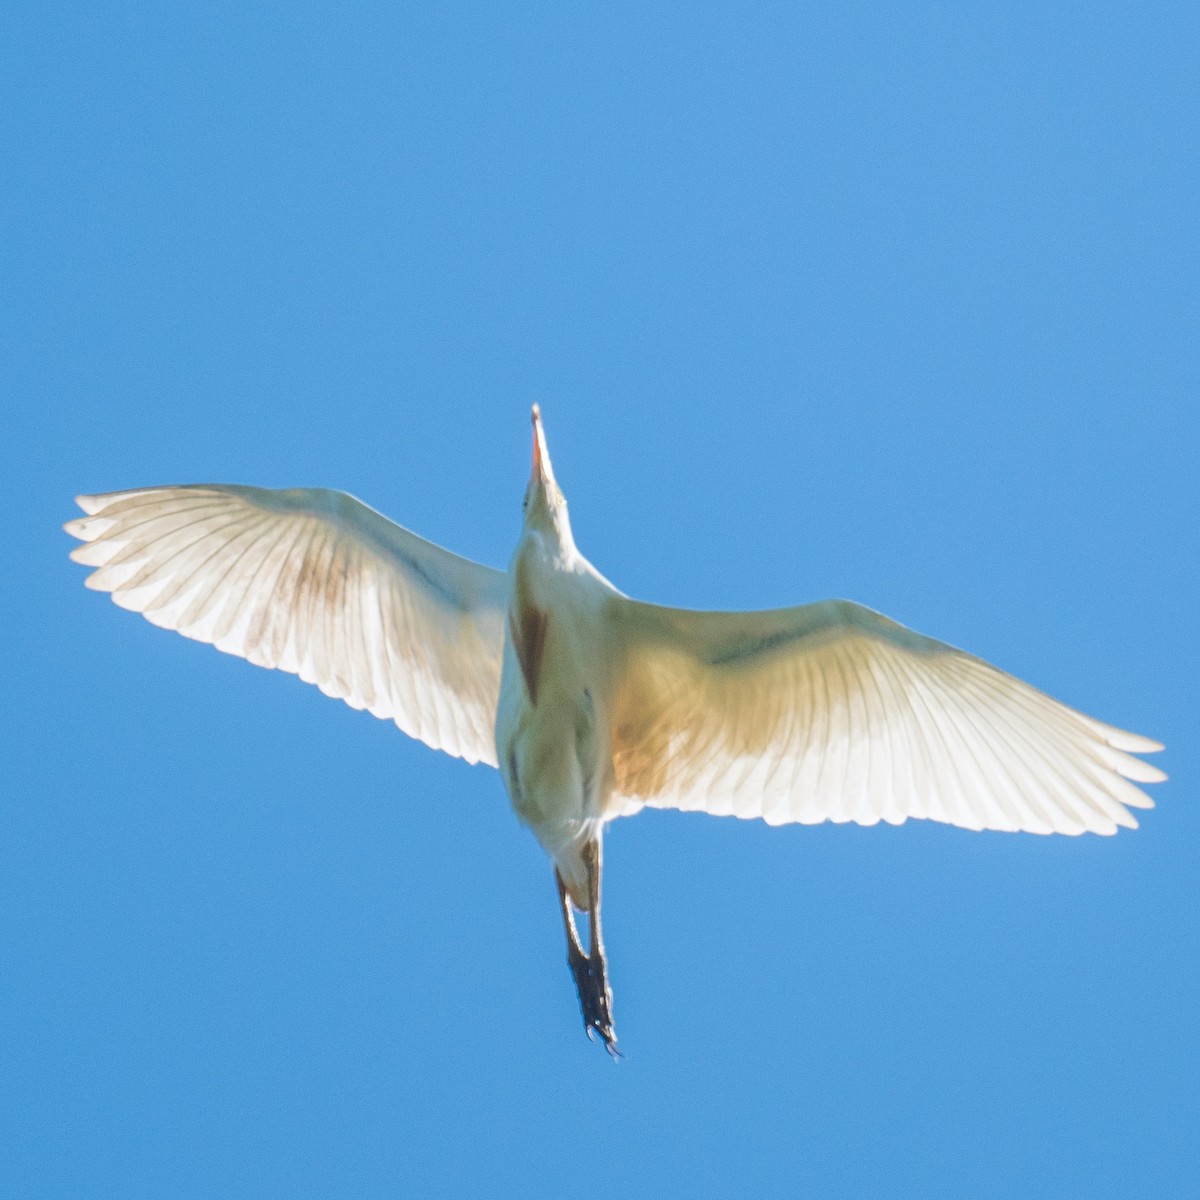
{"x":545,"y":506}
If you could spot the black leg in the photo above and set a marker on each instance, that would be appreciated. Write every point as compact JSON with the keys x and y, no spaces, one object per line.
{"x":590,"y":971}
{"x":602,"y":1020}
{"x":576,"y":959}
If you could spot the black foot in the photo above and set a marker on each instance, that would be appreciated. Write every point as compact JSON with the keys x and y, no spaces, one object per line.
{"x":595,"y":999}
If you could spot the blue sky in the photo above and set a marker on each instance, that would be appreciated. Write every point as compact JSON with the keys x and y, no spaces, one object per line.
{"x":894,"y":303}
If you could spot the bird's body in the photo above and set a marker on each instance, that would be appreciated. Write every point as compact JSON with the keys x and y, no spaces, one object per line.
{"x":552,"y":740}
{"x":594,"y":705}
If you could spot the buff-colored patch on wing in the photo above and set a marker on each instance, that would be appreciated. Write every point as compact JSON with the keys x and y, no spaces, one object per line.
{"x":646,"y":727}
{"x":672,"y":715}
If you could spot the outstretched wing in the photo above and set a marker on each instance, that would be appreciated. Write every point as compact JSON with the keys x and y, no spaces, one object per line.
{"x":313,"y":582}
{"x":832,"y":712}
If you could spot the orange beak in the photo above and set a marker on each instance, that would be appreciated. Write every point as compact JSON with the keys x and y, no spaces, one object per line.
{"x":541,"y":456}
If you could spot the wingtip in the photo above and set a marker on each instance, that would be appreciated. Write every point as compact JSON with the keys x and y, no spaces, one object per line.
{"x":1131,"y":743}
{"x":1134,"y":743}
{"x":90,"y":503}
{"x":84,"y":528}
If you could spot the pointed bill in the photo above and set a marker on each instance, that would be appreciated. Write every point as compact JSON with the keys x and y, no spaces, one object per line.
{"x":541,"y":470}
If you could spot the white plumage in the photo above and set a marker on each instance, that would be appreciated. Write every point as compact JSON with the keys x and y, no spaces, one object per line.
{"x":595,"y":705}
{"x":832,"y":712}
{"x":316,"y":583}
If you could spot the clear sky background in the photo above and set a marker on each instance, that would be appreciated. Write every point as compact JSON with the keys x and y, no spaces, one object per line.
{"x":893,"y":303}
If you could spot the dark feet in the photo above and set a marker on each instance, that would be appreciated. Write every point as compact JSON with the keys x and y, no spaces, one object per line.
{"x":595,"y":997}
{"x":590,"y":971}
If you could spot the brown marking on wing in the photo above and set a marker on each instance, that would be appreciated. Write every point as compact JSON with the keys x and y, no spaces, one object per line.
{"x":644,"y":727}
{"x":670,"y":712}
{"x":528,"y":632}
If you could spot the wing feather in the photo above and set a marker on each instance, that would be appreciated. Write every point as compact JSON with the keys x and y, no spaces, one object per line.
{"x":832,"y":712}
{"x":315,"y":583}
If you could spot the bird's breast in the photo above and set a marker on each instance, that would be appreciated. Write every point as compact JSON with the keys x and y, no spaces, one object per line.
{"x":551,"y":728}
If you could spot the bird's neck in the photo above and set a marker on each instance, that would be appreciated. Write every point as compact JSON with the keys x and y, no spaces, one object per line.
{"x":547,"y":540}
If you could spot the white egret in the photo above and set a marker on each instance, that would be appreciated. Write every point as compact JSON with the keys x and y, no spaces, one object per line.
{"x":594,"y":705}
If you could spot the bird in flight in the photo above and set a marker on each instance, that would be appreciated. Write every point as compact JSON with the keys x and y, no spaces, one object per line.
{"x":594,"y":705}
